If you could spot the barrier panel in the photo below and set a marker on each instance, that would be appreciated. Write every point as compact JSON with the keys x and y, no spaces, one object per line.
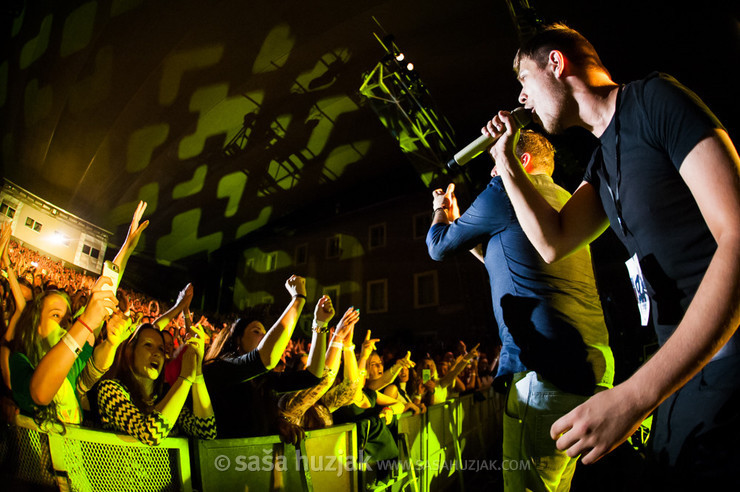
{"x":434,"y":448}
{"x":325,"y":460}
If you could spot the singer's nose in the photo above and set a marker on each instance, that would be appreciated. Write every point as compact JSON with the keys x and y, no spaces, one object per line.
{"x":522,"y":97}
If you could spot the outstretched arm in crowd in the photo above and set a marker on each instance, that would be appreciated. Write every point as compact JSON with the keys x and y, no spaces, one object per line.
{"x":460,"y":363}
{"x":182,"y":304}
{"x":20,"y":303}
{"x":135,"y":229}
{"x":390,"y":375}
{"x":323,"y":313}
{"x":273,"y":344}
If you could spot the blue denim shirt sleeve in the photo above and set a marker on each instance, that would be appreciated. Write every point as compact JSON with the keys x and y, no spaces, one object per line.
{"x":489,"y":214}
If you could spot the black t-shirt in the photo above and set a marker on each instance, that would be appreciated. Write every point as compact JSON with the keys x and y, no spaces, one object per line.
{"x":660,"y":122}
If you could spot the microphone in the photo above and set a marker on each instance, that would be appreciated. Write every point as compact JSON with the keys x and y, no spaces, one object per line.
{"x":521,"y":117}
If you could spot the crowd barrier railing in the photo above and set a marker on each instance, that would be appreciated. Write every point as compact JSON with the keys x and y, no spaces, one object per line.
{"x":434,"y":448}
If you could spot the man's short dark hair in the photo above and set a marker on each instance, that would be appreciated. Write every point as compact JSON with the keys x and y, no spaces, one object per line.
{"x":576,"y":48}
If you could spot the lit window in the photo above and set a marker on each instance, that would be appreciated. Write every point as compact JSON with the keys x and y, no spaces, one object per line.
{"x":271,"y":262}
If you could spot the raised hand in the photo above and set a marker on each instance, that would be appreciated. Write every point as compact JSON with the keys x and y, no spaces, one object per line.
{"x":185,"y":297}
{"x":136,"y":228}
{"x":119,"y":328}
{"x":296,"y":285}
{"x":346,"y":324}
{"x":453,"y":212}
{"x":368,"y":345}
{"x":324,"y":310}
{"x":405,"y":361}
{"x":101,"y":301}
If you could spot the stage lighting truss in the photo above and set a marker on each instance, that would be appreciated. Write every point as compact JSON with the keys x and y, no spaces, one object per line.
{"x":395,"y":92}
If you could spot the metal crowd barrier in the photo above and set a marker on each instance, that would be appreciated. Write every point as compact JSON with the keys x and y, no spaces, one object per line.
{"x":434,"y":448}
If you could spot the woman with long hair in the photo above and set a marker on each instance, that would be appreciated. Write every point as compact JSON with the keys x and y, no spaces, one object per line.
{"x":133,"y":398}
{"x":52,"y":367}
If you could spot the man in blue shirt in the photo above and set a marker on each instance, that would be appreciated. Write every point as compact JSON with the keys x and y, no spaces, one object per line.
{"x":555,"y":348}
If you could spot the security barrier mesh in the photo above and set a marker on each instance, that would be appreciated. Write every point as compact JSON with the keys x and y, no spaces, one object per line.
{"x":96,"y":466}
{"x":25,"y":456}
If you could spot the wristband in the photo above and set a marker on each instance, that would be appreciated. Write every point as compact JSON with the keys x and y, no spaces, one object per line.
{"x":199,"y":379}
{"x":186,"y":379}
{"x":300,"y":295}
{"x":71,"y":344}
{"x":438,"y":209}
{"x":338,"y":345}
{"x":320,"y":326}
{"x":349,"y":348}
{"x":86,"y":325}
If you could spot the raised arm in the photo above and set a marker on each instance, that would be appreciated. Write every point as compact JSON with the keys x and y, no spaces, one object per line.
{"x":135,"y":229}
{"x":183,"y":303}
{"x":554,"y":234}
{"x":460,"y":364}
{"x":712,"y":173}
{"x":273,"y":344}
{"x":323,"y":313}
{"x":390,"y":375}
{"x":20,"y":304}
{"x":55,"y":365}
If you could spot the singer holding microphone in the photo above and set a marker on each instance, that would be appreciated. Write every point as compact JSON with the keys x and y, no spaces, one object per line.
{"x":666,"y":178}
{"x":555,"y":351}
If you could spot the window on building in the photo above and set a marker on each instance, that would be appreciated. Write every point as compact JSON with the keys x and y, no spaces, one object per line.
{"x":377,"y":296}
{"x":33,"y":225}
{"x":7,"y":210}
{"x":94,"y":253}
{"x":271,"y":261}
{"x":334,"y":246}
{"x":301,"y":254}
{"x":426,"y":292}
{"x":85,"y":249}
{"x":377,"y":236}
{"x":422,"y":222}
{"x":333,"y":292}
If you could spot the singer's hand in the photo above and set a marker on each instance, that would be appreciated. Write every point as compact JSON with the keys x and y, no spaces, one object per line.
{"x":453,"y":213}
{"x":505,"y":129}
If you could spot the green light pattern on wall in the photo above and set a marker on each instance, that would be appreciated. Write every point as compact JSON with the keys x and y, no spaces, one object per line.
{"x":141,"y":145}
{"x":326,"y":111}
{"x":38,"y":101}
{"x":183,"y":239}
{"x":232,"y":186}
{"x":178,"y":64}
{"x":275,"y":50}
{"x":219,"y":114}
{"x":93,"y":90}
{"x":78,"y":29}
{"x":192,"y":186}
{"x":37,"y":46}
{"x":255,"y":224}
{"x":344,"y":155}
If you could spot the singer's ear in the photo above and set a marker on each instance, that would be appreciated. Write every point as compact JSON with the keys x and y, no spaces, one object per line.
{"x":557,"y":62}
{"x":527,"y":162}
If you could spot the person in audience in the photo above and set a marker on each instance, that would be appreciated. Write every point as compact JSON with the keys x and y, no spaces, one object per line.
{"x":435,"y":388}
{"x":52,"y":368}
{"x":312,"y":408}
{"x":400,"y":391}
{"x":133,"y":398}
{"x":245,"y":351}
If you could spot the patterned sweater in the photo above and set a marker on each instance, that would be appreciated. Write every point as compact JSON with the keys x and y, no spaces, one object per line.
{"x":118,"y":413}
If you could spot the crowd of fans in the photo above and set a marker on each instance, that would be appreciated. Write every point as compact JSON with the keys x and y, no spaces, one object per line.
{"x":77,"y":349}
